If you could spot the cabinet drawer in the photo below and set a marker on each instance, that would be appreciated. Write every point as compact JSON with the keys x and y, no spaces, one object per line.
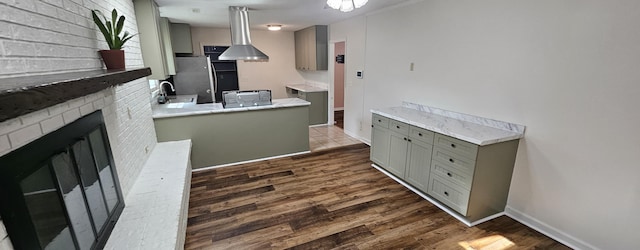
{"x":457,"y":146}
{"x":399,"y":127}
{"x":451,"y":174}
{"x":448,"y":193}
{"x":452,"y":160}
{"x":380,"y":121}
{"x":421,"y":134}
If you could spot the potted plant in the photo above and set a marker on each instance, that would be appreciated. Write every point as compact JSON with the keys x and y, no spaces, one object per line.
{"x":111,"y":29}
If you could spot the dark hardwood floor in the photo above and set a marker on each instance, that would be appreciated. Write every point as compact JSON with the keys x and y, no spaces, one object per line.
{"x":338,"y":117}
{"x":331,"y":199}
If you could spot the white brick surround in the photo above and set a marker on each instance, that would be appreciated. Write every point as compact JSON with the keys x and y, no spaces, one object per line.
{"x":54,"y":36}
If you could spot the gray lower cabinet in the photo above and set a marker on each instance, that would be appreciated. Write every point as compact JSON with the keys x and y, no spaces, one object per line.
{"x":398,"y":146}
{"x":419,"y":156}
{"x":380,"y":144}
{"x":470,"y":179}
{"x":318,"y":110}
{"x":403,"y":150}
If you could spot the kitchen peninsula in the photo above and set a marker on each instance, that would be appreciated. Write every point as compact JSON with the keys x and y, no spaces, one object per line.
{"x":222,"y":136}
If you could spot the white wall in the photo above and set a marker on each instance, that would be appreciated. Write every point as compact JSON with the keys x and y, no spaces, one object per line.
{"x":45,"y":37}
{"x":274,"y":74}
{"x":568,"y":70}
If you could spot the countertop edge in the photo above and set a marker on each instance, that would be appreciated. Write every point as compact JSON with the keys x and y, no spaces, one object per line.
{"x":479,"y":142}
{"x":218,"y":110}
{"x":309,"y":89}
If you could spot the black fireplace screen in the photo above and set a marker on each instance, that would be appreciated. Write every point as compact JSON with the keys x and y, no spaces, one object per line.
{"x":61,"y":191}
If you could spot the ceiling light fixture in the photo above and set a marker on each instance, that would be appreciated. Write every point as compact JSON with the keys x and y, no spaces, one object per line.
{"x":274,"y":27}
{"x":346,"y":5}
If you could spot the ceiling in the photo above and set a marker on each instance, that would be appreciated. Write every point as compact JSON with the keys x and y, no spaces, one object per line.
{"x":291,"y":14}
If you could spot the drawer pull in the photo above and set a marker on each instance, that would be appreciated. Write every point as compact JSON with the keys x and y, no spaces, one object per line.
{"x":446,"y":193}
{"x":449,"y":174}
{"x":451,"y":160}
{"x":404,"y":138}
{"x":453,"y":145}
{"x":379,"y":120}
{"x":397,"y":126}
{"x":409,"y":140}
{"x":372,"y":125}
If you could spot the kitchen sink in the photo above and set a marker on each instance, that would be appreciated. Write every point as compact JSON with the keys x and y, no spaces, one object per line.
{"x":178,"y":99}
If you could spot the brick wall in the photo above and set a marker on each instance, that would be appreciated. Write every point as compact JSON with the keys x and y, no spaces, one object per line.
{"x":54,"y":36}
{"x":51,"y":36}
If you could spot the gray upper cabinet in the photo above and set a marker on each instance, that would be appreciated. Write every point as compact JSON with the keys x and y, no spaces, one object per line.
{"x":165,"y":32}
{"x":311,"y":45}
{"x":181,"y":38}
{"x":151,"y":39}
{"x":472,"y":180}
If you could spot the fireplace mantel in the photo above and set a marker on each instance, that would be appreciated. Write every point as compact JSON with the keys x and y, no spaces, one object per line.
{"x":23,"y":95}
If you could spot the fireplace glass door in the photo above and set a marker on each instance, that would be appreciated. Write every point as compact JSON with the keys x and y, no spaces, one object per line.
{"x":62,"y":196}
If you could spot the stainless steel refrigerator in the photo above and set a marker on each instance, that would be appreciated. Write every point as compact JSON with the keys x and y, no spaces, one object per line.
{"x":197,"y":75}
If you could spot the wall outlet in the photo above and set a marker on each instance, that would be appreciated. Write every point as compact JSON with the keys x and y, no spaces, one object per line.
{"x":359,"y":74}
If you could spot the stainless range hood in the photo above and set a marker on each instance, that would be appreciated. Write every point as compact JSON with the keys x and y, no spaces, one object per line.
{"x":241,"y":48}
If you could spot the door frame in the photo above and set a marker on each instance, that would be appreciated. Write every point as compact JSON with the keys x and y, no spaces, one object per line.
{"x":331,"y":71}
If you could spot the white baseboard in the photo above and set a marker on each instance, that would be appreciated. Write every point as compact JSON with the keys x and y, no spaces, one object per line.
{"x":249,"y":161}
{"x":363,"y":140}
{"x":548,"y":230}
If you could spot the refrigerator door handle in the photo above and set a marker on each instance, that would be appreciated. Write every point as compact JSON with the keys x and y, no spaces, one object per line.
{"x":215,"y":77}
{"x":212,"y":80}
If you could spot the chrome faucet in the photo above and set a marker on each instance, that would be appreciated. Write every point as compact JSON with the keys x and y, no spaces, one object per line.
{"x":162,"y":96}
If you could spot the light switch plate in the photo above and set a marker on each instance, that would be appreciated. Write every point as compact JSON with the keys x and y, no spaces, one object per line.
{"x":359,"y":74}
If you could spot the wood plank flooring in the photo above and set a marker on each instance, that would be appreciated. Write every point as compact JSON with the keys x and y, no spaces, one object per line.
{"x":331,"y":199}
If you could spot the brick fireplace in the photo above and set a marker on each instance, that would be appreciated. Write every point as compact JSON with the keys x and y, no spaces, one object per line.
{"x":127,"y":118}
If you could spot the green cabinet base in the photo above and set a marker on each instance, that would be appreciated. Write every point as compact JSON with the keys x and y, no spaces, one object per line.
{"x":229,"y":137}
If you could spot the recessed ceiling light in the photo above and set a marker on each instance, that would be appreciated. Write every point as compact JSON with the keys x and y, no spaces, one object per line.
{"x":274,"y":27}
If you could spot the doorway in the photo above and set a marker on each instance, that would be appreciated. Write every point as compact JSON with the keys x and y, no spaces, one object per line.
{"x":338,"y":84}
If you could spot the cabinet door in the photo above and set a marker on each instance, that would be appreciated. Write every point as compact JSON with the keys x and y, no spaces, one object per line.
{"x":419,"y":165}
{"x":310,"y":41}
{"x":397,"y":154}
{"x":151,"y":43}
{"x":380,"y":146}
{"x":181,"y":38}
{"x":300,"y":48}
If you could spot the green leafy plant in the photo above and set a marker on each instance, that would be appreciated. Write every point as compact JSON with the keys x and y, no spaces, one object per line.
{"x":111,"y":29}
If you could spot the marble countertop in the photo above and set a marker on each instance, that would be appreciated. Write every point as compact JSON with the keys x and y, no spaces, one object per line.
{"x":188,"y":109}
{"x":477,"y":130}
{"x":306,"y":88}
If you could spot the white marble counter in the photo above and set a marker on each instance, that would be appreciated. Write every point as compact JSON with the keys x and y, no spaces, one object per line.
{"x":474,"y":129}
{"x":187,"y":109}
{"x":306,"y":88}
